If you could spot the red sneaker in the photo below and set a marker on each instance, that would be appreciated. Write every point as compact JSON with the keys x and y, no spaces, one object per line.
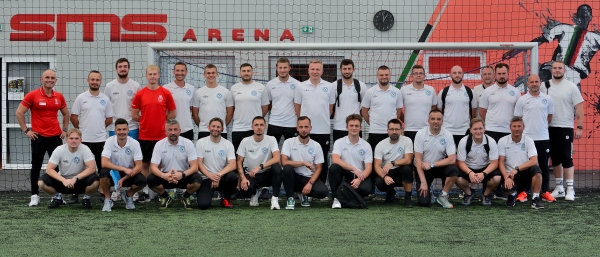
{"x":522,"y":197}
{"x":226,"y":203}
{"x":547,"y":196}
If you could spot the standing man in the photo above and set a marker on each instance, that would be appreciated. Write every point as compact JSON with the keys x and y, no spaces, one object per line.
{"x":349,"y":94}
{"x":517,"y":162}
{"x":497,"y":104}
{"x":250,"y":99}
{"x":258,"y":164}
{"x":92,"y":112}
{"x":487,"y":80}
{"x":210,"y":101}
{"x":174,"y":165}
{"x":435,"y":155}
{"x":121,"y":154}
{"x":418,"y":99}
{"x":314,"y":99}
{"x":281,"y":91}
{"x":45,"y":132}
{"x":216,"y":161}
{"x":151,"y":107}
{"x":182,"y":93}
{"x":77,"y":172}
{"x":478,"y":163}
{"x":457,"y":104}
{"x":567,"y":99}
{"x":537,"y":108}
{"x":392,"y":162}
{"x":302,"y":160}
{"x":352,"y":161}
{"x":121,"y":92}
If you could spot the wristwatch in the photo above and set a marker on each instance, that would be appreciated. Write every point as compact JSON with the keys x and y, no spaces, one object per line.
{"x":183,"y":175}
{"x":262,"y":166}
{"x":431,"y":165}
{"x":77,"y":177}
{"x":517,"y":169}
{"x":26,"y":131}
{"x":579,"y":127}
{"x":393,"y":163}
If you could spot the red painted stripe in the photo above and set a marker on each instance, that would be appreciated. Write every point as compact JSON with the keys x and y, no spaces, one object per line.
{"x":577,"y":48}
{"x":443,"y":65}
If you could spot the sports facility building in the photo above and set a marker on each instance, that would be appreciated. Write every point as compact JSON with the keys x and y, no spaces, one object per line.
{"x":75,"y":37}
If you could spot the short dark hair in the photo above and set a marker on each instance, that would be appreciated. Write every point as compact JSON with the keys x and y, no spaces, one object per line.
{"x":94,"y":71}
{"x":180,"y":63}
{"x":516,"y":119}
{"x":436,"y":110}
{"x":245,"y":65}
{"x":475,"y":121}
{"x":210,"y":66}
{"x":120,"y":60}
{"x":487,"y":67}
{"x":120,"y":121}
{"x":418,"y":66}
{"x":501,"y":65}
{"x":216,"y":119}
{"x":347,"y":62}
{"x":258,"y":118}
{"x":352,"y":117}
{"x":394,"y":121}
{"x":304,"y":118}
{"x":383,"y":67}
{"x":283,"y":60}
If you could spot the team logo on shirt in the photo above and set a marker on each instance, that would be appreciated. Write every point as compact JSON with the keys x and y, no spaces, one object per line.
{"x":129,"y":93}
{"x":182,"y":149}
{"x":443,"y":141}
{"x":76,"y":160}
{"x":523,"y":147}
{"x":325,"y":89}
{"x":265,"y":150}
{"x":160,"y":98}
{"x":188,"y":92}
{"x":56,"y":101}
{"x":428,"y":92}
{"x":361,"y":152}
{"x":354,"y":90}
{"x":253,"y":93}
{"x":512,"y":93}
{"x":400,"y":150}
{"x":102,"y":102}
{"x":128,"y":151}
{"x":544,"y":101}
{"x":393,"y":94}
{"x":219,"y":96}
{"x":221,"y":153}
{"x":293,"y":87}
{"x":466,"y":95}
{"x":311,"y":151}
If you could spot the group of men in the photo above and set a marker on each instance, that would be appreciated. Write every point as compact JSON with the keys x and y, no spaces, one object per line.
{"x":151,"y":136}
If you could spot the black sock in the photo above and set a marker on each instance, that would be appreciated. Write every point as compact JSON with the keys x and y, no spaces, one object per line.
{"x":186,"y":194}
{"x":407,"y":194}
{"x":165,"y":194}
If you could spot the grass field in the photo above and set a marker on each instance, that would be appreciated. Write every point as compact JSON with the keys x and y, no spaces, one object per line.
{"x":563,"y":228}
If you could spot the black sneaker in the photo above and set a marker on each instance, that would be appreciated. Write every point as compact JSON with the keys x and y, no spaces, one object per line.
{"x":264,"y":195}
{"x":143,"y":198}
{"x":86,"y":203}
{"x":510,"y":201}
{"x":389,"y":197}
{"x":408,"y":203}
{"x":537,"y":203}
{"x":468,"y":198}
{"x":55,"y":203}
{"x":500,"y":195}
{"x":369,"y":197}
{"x":487,"y":200}
{"x":74,"y":199}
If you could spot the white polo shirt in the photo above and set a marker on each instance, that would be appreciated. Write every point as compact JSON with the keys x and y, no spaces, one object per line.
{"x":565,"y":96}
{"x":516,"y":153}
{"x":122,"y":156}
{"x":215,"y":155}
{"x":183,"y":97}
{"x":348,"y":103}
{"x":120,"y":96}
{"x":174,"y":157}
{"x":354,"y":154}
{"x":534,"y":111}
{"x":388,"y":152}
{"x":477,"y":158}
{"x":417,"y":104}
{"x":299,"y":152}
{"x":457,"y":115}
{"x":92,"y":111}
{"x":500,"y":105}
{"x":382,"y":107}
{"x":212,"y":102}
{"x":434,"y":148}
{"x":70,"y":164}
{"x":477,"y":91}
{"x":257,"y":153}
{"x":281,"y":94}
{"x":314,"y":103}
{"x":248,"y":101}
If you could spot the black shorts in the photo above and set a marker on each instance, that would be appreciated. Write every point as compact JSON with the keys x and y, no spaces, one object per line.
{"x":496,"y":135}
{"x":438,"y":172}
{"x":79,"y":188}
{"x":154,"y":181}
{"x":188,"y":134}
{"x":486,"y":178}
{"x":147,"y":148}
{"x":561,"y":146}
{"x":138,"y":180}
{"x":411,"y":135}
{"x":522,"y":179}
{"x":278,"y":132}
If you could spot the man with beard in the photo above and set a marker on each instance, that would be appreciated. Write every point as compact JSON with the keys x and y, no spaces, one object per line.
{"x":152,"y":107}
{"x":348,"y":99}
{"x":250,"y":99}
{"x":487,"y":80}
{"x":210,"y":101}
{"x":457,"y":104}
{"x":174,"y":165}
{"x":567,"y":99}
{"x":121,"y":92}
{"x":182,"y":94}
{"x":497,"y":104}
{"x":418,"y":99}
{"x":302,"y":159}
{"x":92,"y":112}
{"x":281,"y":91}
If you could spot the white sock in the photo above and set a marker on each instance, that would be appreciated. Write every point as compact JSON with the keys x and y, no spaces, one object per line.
{"x":444,"y":194}
{"x":274,"y":198}
{"x":145,"y":190}
{"x":535,"y":195}
{"x":569,"y":182}
{"x":559,"y":183}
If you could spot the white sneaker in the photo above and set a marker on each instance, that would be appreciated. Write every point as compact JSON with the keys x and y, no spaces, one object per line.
{"x":115,"y":196}
{"x":336,"y":204}
{"x":570,"y":196}
{"x":254,"y":198}
{"x":274,"y":203}
{"x":129,"y":205}
{"x":108,"y":204}
{"x":35,"y":200}
{"x":558,"y":192}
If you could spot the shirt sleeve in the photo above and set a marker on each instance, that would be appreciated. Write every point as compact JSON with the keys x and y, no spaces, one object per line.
{"x":418,"y":145}
{"x":264,"y":96}
{"x":363,"y":90}
{"x":493,"y":149}
{"x":483,"y":101}
{"x":439,"y":100}
{"x":191,"y":153}
{"x":156,"y":155}
{"x":28,"y":99}
{"x":269,"y":93}
{"x":531,"y":151}
{"x":378,"y":154}
{"x":135,"y":103}
{"x":461,"y":154}
{"x":230,"y":151}
{"x":55,"y":157}
{"x":298,"y":95}
{"x":170,"y":101}
{"x":369,"y":155}
{"x":196,"y":99}
{"x":200,"y":149}
{"x":501,"y":147}
{"x":241,"y":151}
{"x":550,"y":105}
{"x":576,"y":96}
{"x":332,"y":93}
{"x":519,"y":107}
{"x":109,"y":112}
{"x":318,"y":154}
{"x":137,"y":150}
{"x":88,"y":155}
{"x":228,"y":99}
{"x":408,"y":146}
{"x":76,"y":107}
{"x":450,"y":146}
{"x":106,"y":149}
{"x":366,"y":101}
{"x":285,"y":149}
{"x":434,"y":99}
{"x":64,"y":102}
{"x":399,"y":103}
{"x":274,"y":146}
{"x":337,"y":147}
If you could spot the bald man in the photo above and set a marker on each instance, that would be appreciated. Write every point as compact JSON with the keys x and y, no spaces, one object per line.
{"x":457,"y":104}
{"x":537,"y":108}
{"x":45,"y":132}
